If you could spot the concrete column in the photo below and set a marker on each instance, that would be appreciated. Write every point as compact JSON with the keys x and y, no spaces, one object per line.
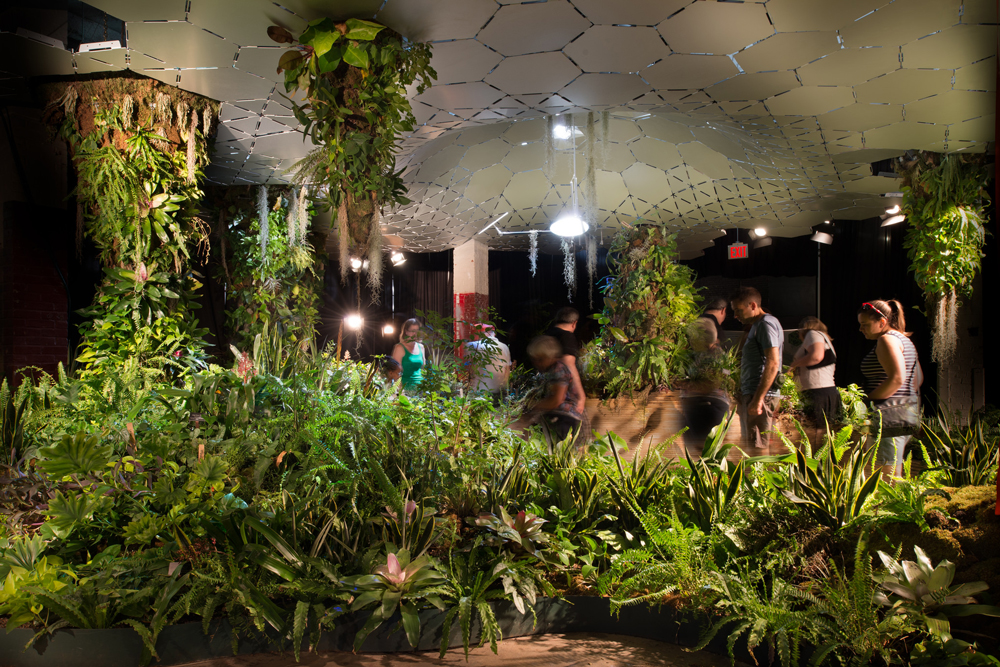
{"x":471,"y":285}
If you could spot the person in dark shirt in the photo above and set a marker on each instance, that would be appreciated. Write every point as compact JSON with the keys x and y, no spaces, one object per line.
{"x":558,"y":401}
{"x":563,"y":329}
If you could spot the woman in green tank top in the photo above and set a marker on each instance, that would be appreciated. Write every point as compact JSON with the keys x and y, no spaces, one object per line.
{"x":410,"y":354}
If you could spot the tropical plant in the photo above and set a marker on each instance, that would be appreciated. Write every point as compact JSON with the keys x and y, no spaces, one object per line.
{"x":831,"y":492}
{"x":649,"y":299}
{"x":354,"y":77}
{"x":714,"y":483}
{"x":399,"y":583}
{"x":921,"y":594}
{"x":855,"y":631}
{"x":960,"y":455}
{"x":763,"y":608}
{"x":523,"y":530}
{"x":944,"y":199}
{"x":138,"y":147}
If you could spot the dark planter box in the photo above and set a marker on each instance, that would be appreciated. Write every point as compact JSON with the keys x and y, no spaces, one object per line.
{"x":186,"y":642}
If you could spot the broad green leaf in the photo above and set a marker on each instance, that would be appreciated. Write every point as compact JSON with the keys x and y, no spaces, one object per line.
{"x":323,"y":41}
{"x":354,"y":55}
{"x":78,"y":454}
{"x":362,"y":30}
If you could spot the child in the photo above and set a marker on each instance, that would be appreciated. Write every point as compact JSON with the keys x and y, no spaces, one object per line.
{"x":559,"y":400}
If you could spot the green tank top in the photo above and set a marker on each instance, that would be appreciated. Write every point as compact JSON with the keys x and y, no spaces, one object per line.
{"x":413,"y":362}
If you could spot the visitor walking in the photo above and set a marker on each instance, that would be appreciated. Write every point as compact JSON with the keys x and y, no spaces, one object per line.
{"x":557,"y":409}
{"x":815,"y":363}
{"x":409,"y":352}
{"x":703,"y":399}
{"x":489,"y":360}
{"x":563,"y":329}
{"x":760,"y":367}
{"x":892,"y":379}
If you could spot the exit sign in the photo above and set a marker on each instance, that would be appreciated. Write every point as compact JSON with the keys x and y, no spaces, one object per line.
{"x":738,"y":251}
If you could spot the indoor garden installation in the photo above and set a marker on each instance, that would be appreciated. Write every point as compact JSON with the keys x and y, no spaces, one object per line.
{"x":289,"y":495}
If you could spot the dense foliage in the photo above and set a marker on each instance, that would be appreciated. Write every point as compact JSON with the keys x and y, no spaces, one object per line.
{"x":649,"y":299}
{"x":295,"y":489}
{"x":944,"y":201}
{"x":138,"y":147}
{"x":354,"y":77}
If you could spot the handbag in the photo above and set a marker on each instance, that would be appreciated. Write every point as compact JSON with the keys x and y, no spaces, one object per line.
{"x":900,"y":414}
{"x":829,"y":355}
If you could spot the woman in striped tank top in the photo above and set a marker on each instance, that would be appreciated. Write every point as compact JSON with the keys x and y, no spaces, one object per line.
{"x":891,"y":370}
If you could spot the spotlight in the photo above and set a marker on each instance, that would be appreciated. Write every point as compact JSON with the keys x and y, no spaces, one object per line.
{"x":356,"y":264}
{"x":569,"y":225}
{"x":388,"y":330}
{"x":760,"y":232}
{"x":397,"y":258}
{"x":822,"y":237}
{"x":562,"y":132}
{"x":828,"y":222}
{"x":893,"y":211}
{"x":893,"y":219}
{"x":354,"y":321}
{"x":761,"y":242}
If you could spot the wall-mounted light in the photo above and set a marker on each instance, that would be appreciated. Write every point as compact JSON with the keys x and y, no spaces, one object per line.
{"x":354,"y":321}
{"x":569,"y":225}
{"x":388,"y":330}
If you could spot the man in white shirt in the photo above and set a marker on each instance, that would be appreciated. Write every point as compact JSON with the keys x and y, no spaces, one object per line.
{"x":489,"y":360}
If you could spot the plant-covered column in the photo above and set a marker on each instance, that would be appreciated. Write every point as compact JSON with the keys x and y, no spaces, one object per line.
{"x":353,"y":76}
{"x":138,"y":147}
{"x":944,"y":199}
{"x":270,"y":267}
{"x":649,"y":299}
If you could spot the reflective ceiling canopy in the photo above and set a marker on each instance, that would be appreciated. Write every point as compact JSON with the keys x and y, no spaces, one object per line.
{"x":722,"y":114}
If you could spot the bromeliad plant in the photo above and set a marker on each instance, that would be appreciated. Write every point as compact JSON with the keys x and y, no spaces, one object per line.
{"x":400,"y":583}
{"x":354,"y":76}
{"x":921,"y":594}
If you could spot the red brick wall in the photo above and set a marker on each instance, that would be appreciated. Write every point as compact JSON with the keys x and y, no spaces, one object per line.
{"x":33,"y":301}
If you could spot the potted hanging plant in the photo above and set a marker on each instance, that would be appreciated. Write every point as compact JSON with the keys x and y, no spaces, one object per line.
{"x":943,"y":200}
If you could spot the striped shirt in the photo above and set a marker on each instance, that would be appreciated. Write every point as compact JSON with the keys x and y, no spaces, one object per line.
{"x":875,"y":375}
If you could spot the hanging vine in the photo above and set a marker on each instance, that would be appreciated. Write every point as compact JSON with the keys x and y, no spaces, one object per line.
{"x":569,"y":268}
{"x":591,"y":267}
{"x":944,"y":199}
{"x":533,"y":251}
{"x":354,"y":76}
{"x":138,"y":147}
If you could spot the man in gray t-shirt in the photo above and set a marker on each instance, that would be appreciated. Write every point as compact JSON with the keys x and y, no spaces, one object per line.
{"x":760,"y":367}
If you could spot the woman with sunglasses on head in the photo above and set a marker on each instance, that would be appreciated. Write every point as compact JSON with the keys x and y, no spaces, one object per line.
{"x":892,"y":378}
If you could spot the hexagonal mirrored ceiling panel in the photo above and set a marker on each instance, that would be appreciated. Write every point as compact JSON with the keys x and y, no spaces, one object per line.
{"x":700,"y":114}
